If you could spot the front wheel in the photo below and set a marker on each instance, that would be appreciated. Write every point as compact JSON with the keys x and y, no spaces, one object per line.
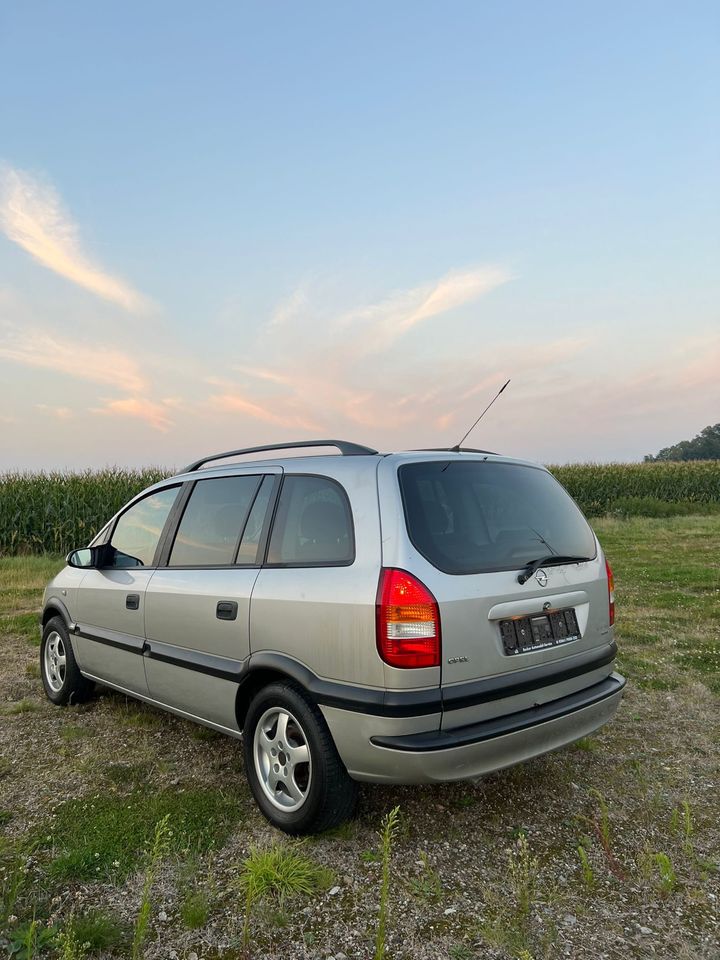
{"x":60,"y":674}
{"x":292,"y":765}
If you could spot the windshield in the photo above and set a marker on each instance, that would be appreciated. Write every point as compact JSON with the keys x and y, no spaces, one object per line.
{"x":476,"y":516}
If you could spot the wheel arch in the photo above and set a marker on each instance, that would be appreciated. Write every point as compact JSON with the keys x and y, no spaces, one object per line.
{"x":53,"y":608}
{"x":266,"y":668}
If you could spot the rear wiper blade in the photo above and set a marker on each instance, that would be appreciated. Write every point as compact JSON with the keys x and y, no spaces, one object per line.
{"x":553,"y":558}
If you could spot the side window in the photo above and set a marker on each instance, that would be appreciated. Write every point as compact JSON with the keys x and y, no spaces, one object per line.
{"x":137,"y":531}
{"x":212,"y":522}
{"x":313,"y":524}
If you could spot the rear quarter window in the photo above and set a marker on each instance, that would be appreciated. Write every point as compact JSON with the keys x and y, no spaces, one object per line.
{"x":480,"y":516}
{"x":313,"y":524}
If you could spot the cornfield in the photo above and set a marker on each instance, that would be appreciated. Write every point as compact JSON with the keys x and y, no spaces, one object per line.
{"x":643,"y":488}
{"x":56,"y":512}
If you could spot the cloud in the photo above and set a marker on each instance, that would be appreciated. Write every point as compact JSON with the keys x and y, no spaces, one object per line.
{"x":32,"y":216}
{"x":380,"y":325}
{"x":235,"y":403}
{"x":140,"y":408}
{"x":61,"y":413}
{"x":39,"y":348}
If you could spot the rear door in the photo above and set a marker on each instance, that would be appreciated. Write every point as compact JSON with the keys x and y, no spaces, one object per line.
{"x":110,"y":608}
{"x":198,"y":601}
{"x":472,"y":526}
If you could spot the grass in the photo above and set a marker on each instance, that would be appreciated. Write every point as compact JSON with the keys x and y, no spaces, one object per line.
{"x":667,"y":578}
{"x":20,"y":706}
{"x":100,"y":930}
{"x":195,"y":909}
{"x":621,"y":828}
{"x":279,"y":872}
{"x":105,"y":837}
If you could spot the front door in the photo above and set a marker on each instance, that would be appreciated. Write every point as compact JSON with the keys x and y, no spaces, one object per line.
{"x":110,"y":609}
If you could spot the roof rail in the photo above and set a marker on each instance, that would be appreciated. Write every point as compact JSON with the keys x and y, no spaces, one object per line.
{"x":456,"y":450}
{"x":346,"y":448}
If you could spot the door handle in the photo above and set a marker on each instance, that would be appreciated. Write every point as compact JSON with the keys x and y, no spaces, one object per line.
{"x":132,"y":601}
{"x":226,"y":610}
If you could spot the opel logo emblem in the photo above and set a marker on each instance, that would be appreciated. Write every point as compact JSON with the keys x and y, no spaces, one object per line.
{"x":541,"y":578}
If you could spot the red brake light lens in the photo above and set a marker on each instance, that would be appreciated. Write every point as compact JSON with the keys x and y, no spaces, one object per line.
{"x":611,"y":592}
{"x":408,"y":621}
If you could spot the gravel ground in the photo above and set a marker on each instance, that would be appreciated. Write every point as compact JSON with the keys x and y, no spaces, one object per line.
{"x":451,"y":894}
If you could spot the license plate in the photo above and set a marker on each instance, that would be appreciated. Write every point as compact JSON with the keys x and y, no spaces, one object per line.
{"x":523,"y":634}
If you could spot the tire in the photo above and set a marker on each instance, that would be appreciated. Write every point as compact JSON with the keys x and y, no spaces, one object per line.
{"x":294,"y":771}
{"x":60,"y":674}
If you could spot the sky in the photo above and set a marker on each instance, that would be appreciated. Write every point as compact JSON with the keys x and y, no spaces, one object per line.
{"x":230,"y":223}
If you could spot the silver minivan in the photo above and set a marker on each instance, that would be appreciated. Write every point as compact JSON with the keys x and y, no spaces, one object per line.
{"x":401,"y":618}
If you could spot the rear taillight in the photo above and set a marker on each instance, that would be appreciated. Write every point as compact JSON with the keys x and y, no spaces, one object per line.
{"x":611,"y":592}
{"x":408,"y":621}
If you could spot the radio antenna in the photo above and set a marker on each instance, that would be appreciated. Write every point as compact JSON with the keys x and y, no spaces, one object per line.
{"x":456,"y":448}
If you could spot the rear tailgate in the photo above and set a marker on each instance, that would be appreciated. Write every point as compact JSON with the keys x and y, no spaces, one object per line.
{"x":471,"y":526}
{"x":507,"y":647}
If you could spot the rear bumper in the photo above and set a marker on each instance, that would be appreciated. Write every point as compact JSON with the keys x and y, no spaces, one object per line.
{"x":466,"y":753}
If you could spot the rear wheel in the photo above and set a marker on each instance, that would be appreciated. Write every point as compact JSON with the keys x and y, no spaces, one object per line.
{"x":292,"y":766}
{"x":60,"y":674}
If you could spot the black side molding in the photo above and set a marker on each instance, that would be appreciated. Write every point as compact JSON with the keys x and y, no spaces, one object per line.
{"x":111,"y":638}
{"x":345,"y":696}
{"x":522,"y":681}
{"x":501,"y":726}
{"x":208,"y":663}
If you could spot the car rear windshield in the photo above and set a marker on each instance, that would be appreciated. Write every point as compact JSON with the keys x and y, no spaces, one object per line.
{"x":477,"y":516}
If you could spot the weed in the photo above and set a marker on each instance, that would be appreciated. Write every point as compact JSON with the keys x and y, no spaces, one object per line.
{"x":195,"y":909}
{"x":523,"y":870}
{"x":73,"y":732}
{"x":100,"y":931}
{"x":29,"y":939}
{"x":601,"y":824}
{"x":461,"y":951}
{"x":160,"y":846}
{"x":509,"y":923}
{"x":21,"y":706}
{"x":586,"y":870}
{"x":71,"y":947}
{"x":371,"y":856}
{"x":13,"y":875}
{"x":387,"y":835}
{"x":681,"y":822}
{"x":587,"y":744}
{"x":428,"y":886}
{"x":32,"y":670}
{"x":668,"y":879}
{"x":280,"y":871}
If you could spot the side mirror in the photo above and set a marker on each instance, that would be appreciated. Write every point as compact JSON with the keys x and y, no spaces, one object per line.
{"x":84,"y":559}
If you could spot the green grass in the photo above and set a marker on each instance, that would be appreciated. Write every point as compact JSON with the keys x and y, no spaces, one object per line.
{"x":106,"y":836}
{"x":282,"y":871}
{"x":20,"y":706}
{"x":100,"y":930}
{"x":23,"y":625}
{"x":195,"y":909}
{"x":667,"y":578}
